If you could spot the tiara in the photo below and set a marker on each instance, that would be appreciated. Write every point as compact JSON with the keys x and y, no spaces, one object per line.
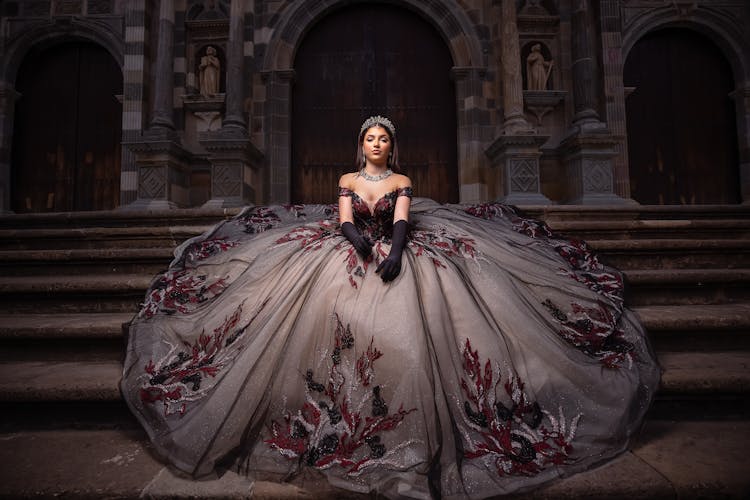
{"x":378,"y":120}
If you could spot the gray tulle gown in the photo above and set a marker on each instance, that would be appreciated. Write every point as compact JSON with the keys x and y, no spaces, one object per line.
{"x":501,"y":356}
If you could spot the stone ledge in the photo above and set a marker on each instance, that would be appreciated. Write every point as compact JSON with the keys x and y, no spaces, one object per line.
{"x":63,"y":326}
{"x":685,"y":373}
{"x":668,"y":460}
{"x":667,"y":277}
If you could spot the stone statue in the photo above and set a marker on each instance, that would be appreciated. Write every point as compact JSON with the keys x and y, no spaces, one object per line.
{"x":209,"y":73}
{"x":537,"y":69}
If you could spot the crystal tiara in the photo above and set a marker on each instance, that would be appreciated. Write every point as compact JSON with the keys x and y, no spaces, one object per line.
{"x":378,"y":120}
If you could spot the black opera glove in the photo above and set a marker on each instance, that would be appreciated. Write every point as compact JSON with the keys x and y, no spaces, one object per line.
{"x":361,"y":243}
{"x":391,"y":265}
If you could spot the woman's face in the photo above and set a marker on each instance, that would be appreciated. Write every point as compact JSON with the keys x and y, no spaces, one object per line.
{"x":377,"y":145}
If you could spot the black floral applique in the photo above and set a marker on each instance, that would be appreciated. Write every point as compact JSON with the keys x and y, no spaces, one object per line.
{"x":584,"y":266}
{"x":439,"y":244}
{"x":204,"y":249}
{"x":258,"y":219}
{"x":178,"y":379}
{"x":595,"y":331}
{"x":180,"y":291}
{"x":514,"y":434}
{"x":332,"y":429}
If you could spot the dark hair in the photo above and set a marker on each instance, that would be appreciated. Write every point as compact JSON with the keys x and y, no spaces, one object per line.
{"x":392,"y":159}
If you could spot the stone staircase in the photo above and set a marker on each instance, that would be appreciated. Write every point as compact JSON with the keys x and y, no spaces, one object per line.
{"x":69,"y":282}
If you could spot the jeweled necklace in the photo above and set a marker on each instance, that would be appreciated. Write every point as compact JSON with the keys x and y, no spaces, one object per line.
{"x":375,"y":178}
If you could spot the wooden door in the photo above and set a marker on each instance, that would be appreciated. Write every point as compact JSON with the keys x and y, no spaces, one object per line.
{"x":364,"y":60}
{"x":682,"y":135}
{"x":67,"y":131}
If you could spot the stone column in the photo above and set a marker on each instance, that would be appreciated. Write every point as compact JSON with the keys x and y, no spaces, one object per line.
{"x":742,"y":106}
{"x":234,"y":159}
{"x":235,"y":114}
{"x":474,"y":131}
{"x":278,"y":120}
{"x":8,"y":96}
{"x":585,"y":94}
{"x":516,"y":152}
{"x":162,"y":162}
{"x":164,"y":82}
{"x":514,"y":121}
{"x":590,"y":147}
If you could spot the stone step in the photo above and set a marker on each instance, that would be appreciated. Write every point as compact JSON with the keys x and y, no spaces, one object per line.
{"x":652,"y":229}
{"x":686,"y":375}
{"x":712,"y":327}
{"x":138,"y":236}
{"x":100,"y":336}
{"x":63,"y":337}
{"x":623,"y":254}
{"x":674,"y":253}
{"x":100,"y":261}
{"x":72,"y":294}
{"x":686,"y":286}
{"x":668,"y":460}
{"x":124,"y":292}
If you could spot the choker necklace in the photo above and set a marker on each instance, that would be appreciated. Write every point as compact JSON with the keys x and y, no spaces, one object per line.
{"x":375,"y":178}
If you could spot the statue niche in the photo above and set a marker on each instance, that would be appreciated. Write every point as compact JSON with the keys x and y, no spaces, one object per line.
{"x":209,"y":70}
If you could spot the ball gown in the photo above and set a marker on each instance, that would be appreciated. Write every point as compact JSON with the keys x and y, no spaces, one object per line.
{"x":501,"y":357}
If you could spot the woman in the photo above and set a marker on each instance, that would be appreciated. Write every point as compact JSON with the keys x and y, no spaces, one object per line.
{"x":465,"y":354}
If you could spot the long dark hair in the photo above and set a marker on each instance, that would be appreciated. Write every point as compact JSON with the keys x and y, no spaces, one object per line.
{"x":392,"y":158}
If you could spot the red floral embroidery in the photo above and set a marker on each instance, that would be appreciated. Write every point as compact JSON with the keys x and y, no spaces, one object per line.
{"x":258,"y":219}
{"x":332,"y":430}
{"x":512,"y":434}
{"x":180,"y":291}
{"x":440,"y":244}
{"x":595,"y":331}
{"x":178,"y":379}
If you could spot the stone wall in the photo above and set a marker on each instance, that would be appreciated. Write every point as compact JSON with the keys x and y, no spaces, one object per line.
{"x":563,"y":142}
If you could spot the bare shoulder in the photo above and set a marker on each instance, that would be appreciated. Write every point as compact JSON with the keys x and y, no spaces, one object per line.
{"x":347,"y":180}
{"x":402,"y":181}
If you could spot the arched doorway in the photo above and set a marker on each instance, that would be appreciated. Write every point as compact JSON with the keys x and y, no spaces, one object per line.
{"x":373,"y":59}
{"x":67,"y":130}
{"x":682,"y":135}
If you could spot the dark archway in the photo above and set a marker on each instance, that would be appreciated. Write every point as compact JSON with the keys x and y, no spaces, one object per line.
{"x":67,"y":130}
{"x":682,"y":135}
{"x":373,"y":59}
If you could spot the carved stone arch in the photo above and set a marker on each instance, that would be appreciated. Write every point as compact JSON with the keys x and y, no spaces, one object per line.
{"x":41,"y":36}
{"x":724,"y":30}
{"x":470,"y":66}
{"x":447,"y":16}
{"x":728,"y":34}
{"x":48,"y":34}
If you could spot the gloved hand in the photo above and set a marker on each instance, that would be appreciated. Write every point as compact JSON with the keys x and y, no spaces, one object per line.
{"x":360,"y":243}
{"x":390,"y":267}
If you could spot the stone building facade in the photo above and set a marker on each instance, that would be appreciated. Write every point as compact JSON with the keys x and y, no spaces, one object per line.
{"x":557,"y":132}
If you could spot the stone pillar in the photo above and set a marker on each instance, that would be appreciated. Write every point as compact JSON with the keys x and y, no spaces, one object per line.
{"x":278,"y":120}
{"x":742,"y":106}
{"x":514,"y":120}
{"x":164,"y":83}
{"x":518,"y":158}
{"x":8,"y":96}
{"x":585,"y":93}
{"x":474,"y":130}
{"x":235,"y":91}
{"x":516,"y":152}
{"x":589,"y":149}
{"x":234,"y":159}
{"x":162,"y":162}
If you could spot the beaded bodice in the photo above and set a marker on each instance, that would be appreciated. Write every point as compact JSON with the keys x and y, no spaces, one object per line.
{"x":378,"y":223}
